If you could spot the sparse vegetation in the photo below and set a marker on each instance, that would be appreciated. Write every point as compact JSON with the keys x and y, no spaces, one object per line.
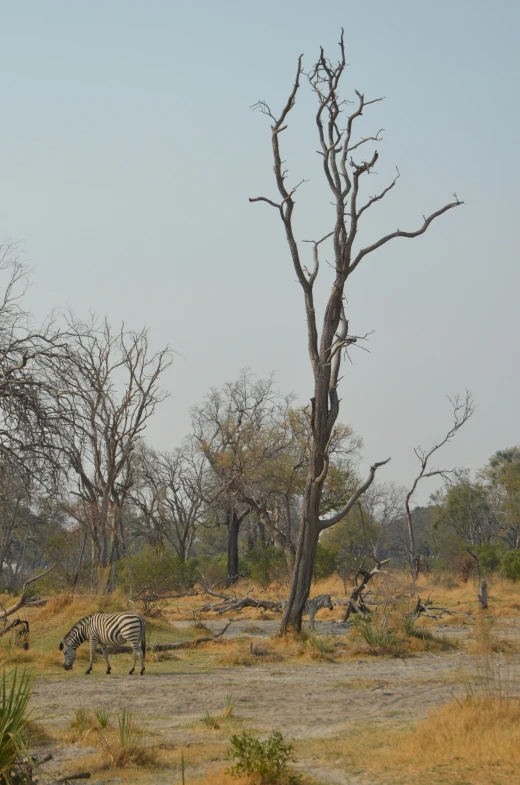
{"x":15,"y":694}
{"x":263,"y":763}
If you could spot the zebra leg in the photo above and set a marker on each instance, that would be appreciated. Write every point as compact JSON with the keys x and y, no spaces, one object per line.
{"x":311,"y":619}
{"x":135,"y":652}
{"x":141,"y":658}
{"x":93,"y":644}
{"x":105,"y":655}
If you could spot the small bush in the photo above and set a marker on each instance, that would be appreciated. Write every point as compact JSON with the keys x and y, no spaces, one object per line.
{"x":210,"y":721}
{"x":154,"y":571}
{"x":375,"y":637}
{"x":465,"y":566}
{"x":319,"y":648}
{"x":265,"y":763}
{"x":130,"y":749}
{"x":103,"y":717}
{"x":79,"y":721}
{"x":511,"y":565}
{"x":229,"y":706}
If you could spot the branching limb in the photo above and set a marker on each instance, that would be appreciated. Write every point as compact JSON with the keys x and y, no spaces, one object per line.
{"x":427,"y":221}
{"x":327,"y":523}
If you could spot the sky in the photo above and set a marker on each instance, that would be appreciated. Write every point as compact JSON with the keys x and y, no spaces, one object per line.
{"x":129,"y":151}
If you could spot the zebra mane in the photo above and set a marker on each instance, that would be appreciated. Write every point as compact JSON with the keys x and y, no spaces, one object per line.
{"x":78,"y":625}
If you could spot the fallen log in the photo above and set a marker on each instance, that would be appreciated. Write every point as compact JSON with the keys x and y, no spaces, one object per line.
{"x":230,"y":602}
{"x":427,"y":606}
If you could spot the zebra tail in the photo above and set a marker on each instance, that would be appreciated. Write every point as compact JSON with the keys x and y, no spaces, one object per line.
{"x":143,"y":636}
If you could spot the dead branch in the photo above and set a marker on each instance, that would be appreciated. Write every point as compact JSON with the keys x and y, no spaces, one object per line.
{"x":23,"y":633}
{"x":462,"y":411}
{"x":23,"y":596}
{"x":426,"y":608}
{"x":356,"y":602}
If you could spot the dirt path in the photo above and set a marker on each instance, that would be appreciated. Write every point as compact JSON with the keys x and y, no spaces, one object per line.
{"x":314,"y":700}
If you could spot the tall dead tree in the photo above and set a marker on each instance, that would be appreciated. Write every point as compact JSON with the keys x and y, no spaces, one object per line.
{"x":462,"y":411}
{"x":344,"y":169}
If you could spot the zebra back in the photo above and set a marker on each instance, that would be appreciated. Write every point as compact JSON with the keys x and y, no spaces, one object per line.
{"x":111,"y":629}
{"x":321,"y":601}
{"x":314,"y":604}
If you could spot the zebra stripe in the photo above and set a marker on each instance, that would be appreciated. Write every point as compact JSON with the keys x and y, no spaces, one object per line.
{"x":312,"y":606}
{"x":106,"y":629}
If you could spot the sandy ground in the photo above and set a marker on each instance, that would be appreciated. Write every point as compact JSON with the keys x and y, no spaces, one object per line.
{"x":308,"y":700}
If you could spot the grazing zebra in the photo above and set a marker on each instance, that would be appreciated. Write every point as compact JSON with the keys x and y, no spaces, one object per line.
{"x":107,"y":629}
{"x":313,"y":606}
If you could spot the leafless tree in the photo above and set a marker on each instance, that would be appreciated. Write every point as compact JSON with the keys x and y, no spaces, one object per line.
{"x":169,"y":494}
{"x":462,"y":411}
{"x":344,"y":169}
{"x":29,"y":415}
{"x":109,"y":386}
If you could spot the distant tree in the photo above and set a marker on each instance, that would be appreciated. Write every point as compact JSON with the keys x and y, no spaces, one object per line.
{"x":169,"y":495}
{"x":462,"y":411}
{"x":110,"y":387}
{"x":503,"y":475}
{"x":259,"y":445}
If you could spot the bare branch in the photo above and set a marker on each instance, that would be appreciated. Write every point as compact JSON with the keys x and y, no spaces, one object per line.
{"x":325,"y":524}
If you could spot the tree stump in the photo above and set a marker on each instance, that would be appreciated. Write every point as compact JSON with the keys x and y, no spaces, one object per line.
{"x":483,"y":596}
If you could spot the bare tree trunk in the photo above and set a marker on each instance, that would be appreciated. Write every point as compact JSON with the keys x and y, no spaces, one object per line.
{"x":411,"y":540}
{"x":483,"y":596}
{"x":232,"y":547}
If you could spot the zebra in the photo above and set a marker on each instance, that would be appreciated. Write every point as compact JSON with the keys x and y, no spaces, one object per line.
{"x":311,"y":607}
{"x":108,"y":629}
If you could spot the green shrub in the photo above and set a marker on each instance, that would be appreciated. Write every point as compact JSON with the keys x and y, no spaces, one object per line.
{"x":214,"y":568}
{"x":265,"y":565}
{"x":210,"y":721}
{"x":266,"y":763}
{"x":489,"y":556}
{"x":154,"y":571}
{"x":326,"y":562}
{"x":376,"y":637}
{"x":511,"y":565}
{"x":103,"y":717}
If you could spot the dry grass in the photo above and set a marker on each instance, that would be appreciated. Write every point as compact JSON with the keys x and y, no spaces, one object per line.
{"x":477,"y":738}
{"x":484,"y":640}
{"x":472,"y":740}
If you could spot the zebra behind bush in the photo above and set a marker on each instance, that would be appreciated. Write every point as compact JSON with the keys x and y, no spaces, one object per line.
{"x":106,"y":629}
{"x":311,"y":607}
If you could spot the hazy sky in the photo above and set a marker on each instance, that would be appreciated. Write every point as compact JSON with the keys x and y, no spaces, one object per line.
{"x":129,"y":152}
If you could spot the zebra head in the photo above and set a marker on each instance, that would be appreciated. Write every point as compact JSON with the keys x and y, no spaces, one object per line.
{"x":69,"y":654}
{"x":328,"y":603}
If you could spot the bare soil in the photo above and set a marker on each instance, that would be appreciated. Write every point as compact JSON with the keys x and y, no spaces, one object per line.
{"x":307,"y":701}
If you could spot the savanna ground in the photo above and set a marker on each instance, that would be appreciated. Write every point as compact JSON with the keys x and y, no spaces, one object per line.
{"x":386,"y":703}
